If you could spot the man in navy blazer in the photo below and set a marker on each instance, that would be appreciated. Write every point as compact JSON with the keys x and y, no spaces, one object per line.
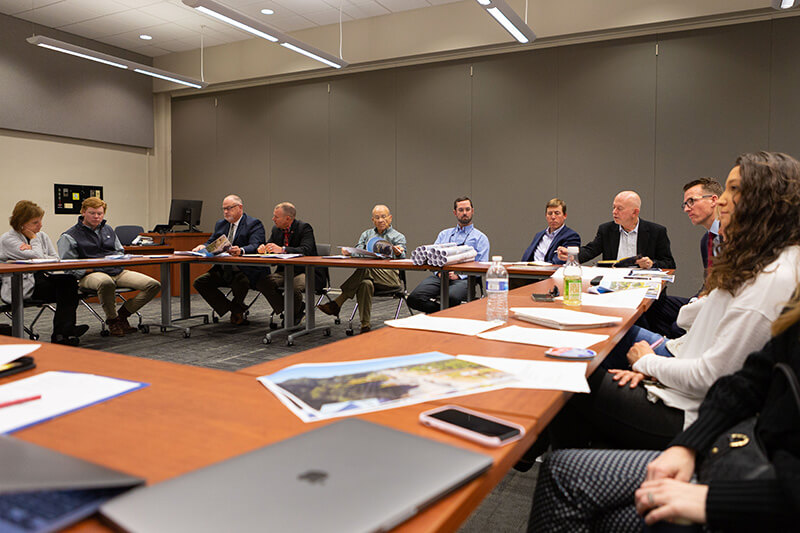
{"x":545,"y":244}
{"x":245,"y":234}
{"x":628,"y":235}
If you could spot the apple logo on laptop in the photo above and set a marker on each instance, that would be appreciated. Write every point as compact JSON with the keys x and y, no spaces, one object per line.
{"x":313,"y":476}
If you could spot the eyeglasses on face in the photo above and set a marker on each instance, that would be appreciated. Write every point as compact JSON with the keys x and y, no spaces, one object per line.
{"x":380,"y":217}
{"x":230,"y":207}
{"x":690,"y":201}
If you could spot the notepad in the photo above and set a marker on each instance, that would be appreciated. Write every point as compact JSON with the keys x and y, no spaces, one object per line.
{"x":543,"y":337}
{"x":563,"y":318}
{"x":460,"y":326}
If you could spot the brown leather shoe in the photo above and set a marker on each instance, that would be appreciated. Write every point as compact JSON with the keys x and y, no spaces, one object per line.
{"x":365,"y":329}
{"x":126,"y":326}
{"x":115,"y":327}
{"x":238,"y":319}
{"x":330,"y":308}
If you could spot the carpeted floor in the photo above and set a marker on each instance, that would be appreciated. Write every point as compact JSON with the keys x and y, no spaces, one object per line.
{"x":227,"y":347}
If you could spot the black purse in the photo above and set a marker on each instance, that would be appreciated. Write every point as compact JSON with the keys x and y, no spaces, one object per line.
{"x":737,"y":453}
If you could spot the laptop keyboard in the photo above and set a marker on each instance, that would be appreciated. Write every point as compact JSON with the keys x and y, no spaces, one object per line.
{"x":43,"y":511}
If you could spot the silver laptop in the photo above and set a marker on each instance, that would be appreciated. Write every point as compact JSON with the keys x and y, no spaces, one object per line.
{"x":349,"y":476}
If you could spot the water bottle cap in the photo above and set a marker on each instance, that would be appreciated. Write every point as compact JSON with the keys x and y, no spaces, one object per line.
{"x":497,"y":258}
{"x":573,"y":250}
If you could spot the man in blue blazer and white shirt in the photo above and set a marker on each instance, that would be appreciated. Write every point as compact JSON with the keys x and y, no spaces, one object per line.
{"x":245,"y":234}
{"x":544,"y":246}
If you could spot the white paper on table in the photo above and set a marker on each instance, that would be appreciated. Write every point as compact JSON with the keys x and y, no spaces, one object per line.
{"x":544,"y":337}
{"x":559,"y":318}
{"x":588,"y":273}
{"x":548,"y":375}
{"x":619,"y":299}
{"x":402,"y":261}
{"x":61,"y":392}
{"x":10,"y":352}
{"x":460,"y":326}
{"x":336,"y":257}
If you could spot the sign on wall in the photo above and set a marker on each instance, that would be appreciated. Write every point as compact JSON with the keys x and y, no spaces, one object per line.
{"x":68,"y":198}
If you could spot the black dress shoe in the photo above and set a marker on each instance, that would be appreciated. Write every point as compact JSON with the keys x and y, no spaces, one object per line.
{"x":68,"y":341}
{"x":79,"y":330}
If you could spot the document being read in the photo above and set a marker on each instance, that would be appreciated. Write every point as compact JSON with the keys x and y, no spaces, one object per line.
{"x":61,"y":392}
{"x":546,"y":375}
{"x":460,"y":326}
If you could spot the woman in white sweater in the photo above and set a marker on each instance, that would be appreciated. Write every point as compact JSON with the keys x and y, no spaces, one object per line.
{"x":645,"y":406}
{"x":26,"y":240}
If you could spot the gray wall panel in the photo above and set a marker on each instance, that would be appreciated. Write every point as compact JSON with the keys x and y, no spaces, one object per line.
{"x":194,"y":156}
{"x":362,"y":137}
{"x":713,"y":103}
{"x":242,"y":162}
{"x":514,"y":116}
{"x":784,"y":135}
{"x":606,"y":124}
{"x":298,"y":126}
{"x":56,"y":94}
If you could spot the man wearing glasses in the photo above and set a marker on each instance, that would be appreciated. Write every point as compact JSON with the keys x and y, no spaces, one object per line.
{"x":700,"y":205}
{"x":245,"y":233}
{"x":365,"y":281}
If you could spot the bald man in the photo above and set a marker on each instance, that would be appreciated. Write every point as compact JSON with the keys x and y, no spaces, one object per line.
{"x":628,"y":235}
{"x":245,"y":234}
{"x":365,"y":281}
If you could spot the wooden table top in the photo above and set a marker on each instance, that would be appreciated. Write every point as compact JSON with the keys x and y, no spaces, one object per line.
{"x":9,"y":268}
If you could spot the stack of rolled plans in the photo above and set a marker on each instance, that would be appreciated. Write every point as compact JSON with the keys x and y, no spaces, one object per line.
{"x":442,"y":254}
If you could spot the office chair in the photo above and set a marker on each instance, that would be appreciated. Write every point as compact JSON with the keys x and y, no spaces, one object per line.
{"x":400,"y":294}
{"x":32,"y":335}
{"x":126,"y":234}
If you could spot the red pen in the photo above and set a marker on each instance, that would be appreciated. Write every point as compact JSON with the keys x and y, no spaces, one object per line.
{"x":20,"y":400}
{"x":657,"y":343}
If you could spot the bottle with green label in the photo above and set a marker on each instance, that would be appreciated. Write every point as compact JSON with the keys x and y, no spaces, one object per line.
{"x":572,"y":278}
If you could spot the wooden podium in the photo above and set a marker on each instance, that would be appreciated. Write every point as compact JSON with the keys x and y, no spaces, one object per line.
{"x":172,"y":242}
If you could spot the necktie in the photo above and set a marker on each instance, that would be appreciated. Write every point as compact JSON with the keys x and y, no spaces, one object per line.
{"x":286,"y":237}
{"x":711,"y":237}
{"x":232,"y":233}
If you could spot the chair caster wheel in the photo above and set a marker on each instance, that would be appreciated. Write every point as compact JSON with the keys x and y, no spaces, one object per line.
{"x":289,"y":343}
{"x":327,"y":332}
{"x":214,"y":320}
{"x":144,"y":329}
{"x":266,"y":340}
{"x":349,"y":332}
{"x":105,"y":333}
{"x":34,"y":336}
{"x":163,"y":329}
{"x":187,"y":333}
{"x":337,"y":320}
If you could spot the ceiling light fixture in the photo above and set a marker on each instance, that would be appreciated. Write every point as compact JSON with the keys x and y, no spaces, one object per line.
{"x":265,"y":31}
{"x":785,"y":4}
{"x":146,"y":37}
{"x":267,"y":11}
{"x":509,"y":19}
{"x":114,"y":61}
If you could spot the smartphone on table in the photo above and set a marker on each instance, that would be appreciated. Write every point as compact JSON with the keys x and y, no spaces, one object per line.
{"x":472,"y":425}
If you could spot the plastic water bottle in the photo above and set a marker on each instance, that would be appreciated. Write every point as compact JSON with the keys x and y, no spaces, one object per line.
{"x":572,"y":278}
{"x":497,"y":291}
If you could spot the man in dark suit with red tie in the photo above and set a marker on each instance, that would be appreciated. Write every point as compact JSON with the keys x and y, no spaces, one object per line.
{"x":289,"y":236}
{"x":245,"y":234}
{"x":700,"y":205}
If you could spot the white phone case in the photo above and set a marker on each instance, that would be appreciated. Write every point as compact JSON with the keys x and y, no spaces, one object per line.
{"x":494,"y":442}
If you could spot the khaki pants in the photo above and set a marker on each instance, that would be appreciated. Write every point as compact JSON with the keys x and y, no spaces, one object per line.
{"x":106,"y":285}
{"x":363,"y":284}
{"x":269,"y":287}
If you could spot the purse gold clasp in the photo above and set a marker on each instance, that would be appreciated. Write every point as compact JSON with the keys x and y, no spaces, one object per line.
{"x":737,"y":440}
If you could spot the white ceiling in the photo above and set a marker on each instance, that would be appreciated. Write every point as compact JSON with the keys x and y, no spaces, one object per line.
{"x":177,"y":28}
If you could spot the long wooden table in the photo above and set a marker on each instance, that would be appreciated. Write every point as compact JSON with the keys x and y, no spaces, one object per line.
{"x":191,"y":417}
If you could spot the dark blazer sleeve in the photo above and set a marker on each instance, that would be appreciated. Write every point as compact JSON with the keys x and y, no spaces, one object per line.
{"x":302,"y":240}
{"x":704,"y":249}
{"x":527,"y":255}
{"x":252,"y":236}
{"x":598,"y":246}
{"x":566,"y":237}
{"x":654,"y":243}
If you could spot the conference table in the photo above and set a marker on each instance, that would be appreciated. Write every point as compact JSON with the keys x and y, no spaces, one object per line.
{"x":190,"y":417}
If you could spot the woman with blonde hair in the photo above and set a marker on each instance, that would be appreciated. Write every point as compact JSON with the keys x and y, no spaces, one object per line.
{"x":26,"y":240}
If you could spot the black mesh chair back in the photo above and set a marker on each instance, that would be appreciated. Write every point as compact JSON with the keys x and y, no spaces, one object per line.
{"x":126,"y":234}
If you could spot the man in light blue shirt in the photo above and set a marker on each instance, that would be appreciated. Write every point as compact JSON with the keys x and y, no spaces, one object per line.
{"x":423,"y":298}
{"x":365,"y":281}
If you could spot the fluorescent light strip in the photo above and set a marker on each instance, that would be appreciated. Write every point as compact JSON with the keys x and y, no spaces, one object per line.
{"x":240,"y":25}
{"x":84,"y":56}
{"x":786,"y":4}
{"x":306,"y":53}
{"x":114,"y":61}
{"x":256,"y":27}
{"x":163,"y":77}
{"x":510,"y":28}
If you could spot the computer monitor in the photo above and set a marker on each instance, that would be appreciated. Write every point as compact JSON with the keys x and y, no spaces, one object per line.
{"x":185,"y":212}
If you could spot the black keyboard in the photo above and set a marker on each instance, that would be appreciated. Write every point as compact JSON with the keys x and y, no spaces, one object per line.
{"x":44,"y":511}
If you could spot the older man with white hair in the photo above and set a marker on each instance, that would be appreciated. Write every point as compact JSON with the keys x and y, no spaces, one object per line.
{"x":628,"y":235}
